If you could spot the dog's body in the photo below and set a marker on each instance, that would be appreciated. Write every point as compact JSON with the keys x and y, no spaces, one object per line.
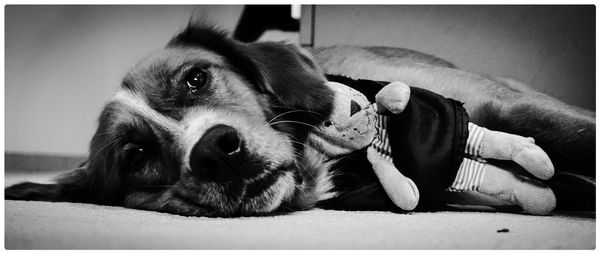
{"x":213,"y":127}
{"x":567,"y":133}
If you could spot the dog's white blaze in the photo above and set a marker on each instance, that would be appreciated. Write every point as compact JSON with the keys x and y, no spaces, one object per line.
{"x":194,"y":130}
{"x":139,"y":105}
{"x":259,"y":137}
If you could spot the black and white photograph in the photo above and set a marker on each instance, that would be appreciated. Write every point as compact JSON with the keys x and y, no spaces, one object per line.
{"x":300,"y":127}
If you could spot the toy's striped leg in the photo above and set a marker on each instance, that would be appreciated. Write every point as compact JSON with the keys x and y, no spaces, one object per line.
{"x":469,"y":176}
{"x":486,"y":143}
{"x":473,"y":146}
{"x":532,"y":196}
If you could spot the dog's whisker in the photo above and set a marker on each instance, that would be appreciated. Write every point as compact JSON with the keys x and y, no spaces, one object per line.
{"x":301,"y":110}
{"x":300,"y":143}
{"x":297,"y":153}
{"x":307,"y":171}
{"x":290,"y":136}
{"x":99,"y":152}
{"x":300,"y":165}
{"x":157,"y":186}
{"x":282,"y":114}
{"x":300,"y":154}
{"x":322,"y":157}
{"x":290,"y":121}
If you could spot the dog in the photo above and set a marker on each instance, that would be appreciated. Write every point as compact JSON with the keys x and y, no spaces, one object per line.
{"x":209,"y":126}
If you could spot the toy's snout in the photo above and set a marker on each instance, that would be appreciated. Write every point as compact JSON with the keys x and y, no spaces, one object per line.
{"x":351,"y":125}
{"x":359,"y":119}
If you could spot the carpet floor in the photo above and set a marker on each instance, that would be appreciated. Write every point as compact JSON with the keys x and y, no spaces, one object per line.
{"x":44,"y":225}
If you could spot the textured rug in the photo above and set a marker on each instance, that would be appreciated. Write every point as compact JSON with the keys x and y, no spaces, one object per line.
{"x":42,"y":225}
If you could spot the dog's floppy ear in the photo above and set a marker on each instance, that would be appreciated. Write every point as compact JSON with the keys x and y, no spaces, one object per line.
{"x":80,"y":185}
{"x":291,"y":76}
{"x":68,"y":187}
{"x":95,"y":181}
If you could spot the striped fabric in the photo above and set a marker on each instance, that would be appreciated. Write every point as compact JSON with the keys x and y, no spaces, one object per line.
{"x":469,"y":176}
{"x":473,"y":146}
{"x":471,"y":170}
{"x":382,"y":142}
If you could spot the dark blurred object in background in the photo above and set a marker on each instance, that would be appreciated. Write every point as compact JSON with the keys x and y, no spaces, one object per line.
{"x":256,"y":19}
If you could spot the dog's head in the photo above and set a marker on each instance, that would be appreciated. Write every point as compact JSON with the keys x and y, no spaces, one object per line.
{"x":207,"y":126}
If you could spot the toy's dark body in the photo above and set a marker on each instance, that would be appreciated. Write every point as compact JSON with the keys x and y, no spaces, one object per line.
{"x":427,"y":139}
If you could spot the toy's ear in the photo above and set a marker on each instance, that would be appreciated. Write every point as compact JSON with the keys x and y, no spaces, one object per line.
{"x":70,"y":187}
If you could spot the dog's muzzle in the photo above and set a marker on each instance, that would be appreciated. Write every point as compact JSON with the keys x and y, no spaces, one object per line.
{"x":218,"y":155}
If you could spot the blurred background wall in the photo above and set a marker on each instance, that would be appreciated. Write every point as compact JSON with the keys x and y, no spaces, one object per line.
{"x":552,"y":48}
{"x":63,"y":62}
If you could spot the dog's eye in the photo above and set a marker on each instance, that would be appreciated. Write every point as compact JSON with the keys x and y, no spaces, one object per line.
{"x":134,"y":155}
{"x":195,"y":79}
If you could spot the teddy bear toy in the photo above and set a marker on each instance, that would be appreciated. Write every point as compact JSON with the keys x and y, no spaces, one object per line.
{"x":414,"y":134}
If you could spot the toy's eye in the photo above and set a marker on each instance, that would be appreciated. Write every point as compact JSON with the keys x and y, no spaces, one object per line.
{"x":327,"y":123}
{"x":196,"y":79}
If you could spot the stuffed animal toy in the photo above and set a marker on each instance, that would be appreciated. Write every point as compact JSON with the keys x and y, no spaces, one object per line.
{"x":437,"y":146}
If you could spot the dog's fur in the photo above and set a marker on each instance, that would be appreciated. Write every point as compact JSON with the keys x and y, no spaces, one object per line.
{"x":272,"y":95}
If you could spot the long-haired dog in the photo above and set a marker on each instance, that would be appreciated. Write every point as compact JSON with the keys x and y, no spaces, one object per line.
{"x":209,"y":126}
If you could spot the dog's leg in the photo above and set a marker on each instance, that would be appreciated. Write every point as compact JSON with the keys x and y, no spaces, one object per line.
{"x":565,"y":132}
{"x":524,"y":88}
{"x":566,"y":135}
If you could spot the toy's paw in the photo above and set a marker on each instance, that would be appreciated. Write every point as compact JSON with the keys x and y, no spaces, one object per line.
{"x":393,"y":98}
{"x":522,"y":150}
{"x":399,"y":188}
{"x":533,"y":159}
{"x":534,"y":197}
{"x":404,"y":194}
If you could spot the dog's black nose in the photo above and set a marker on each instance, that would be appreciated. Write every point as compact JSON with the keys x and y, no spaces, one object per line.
{"x":215,"y":156}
